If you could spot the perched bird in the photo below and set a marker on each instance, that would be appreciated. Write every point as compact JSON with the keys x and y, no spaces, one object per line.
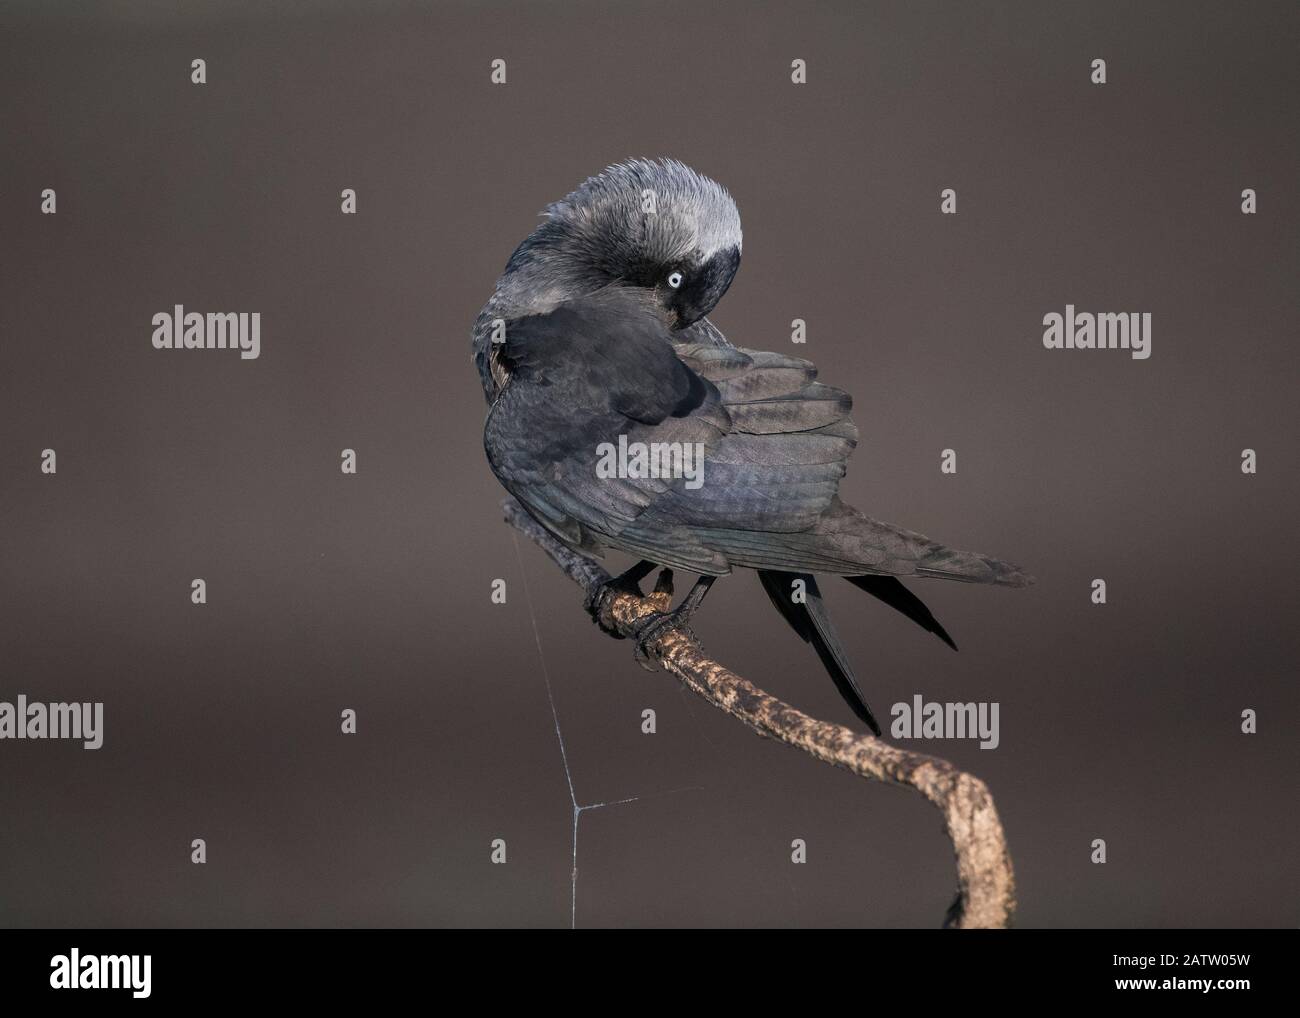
{"x":596,"y":340}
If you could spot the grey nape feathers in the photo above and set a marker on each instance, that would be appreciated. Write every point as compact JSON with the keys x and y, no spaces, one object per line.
{"x":622,"y":418}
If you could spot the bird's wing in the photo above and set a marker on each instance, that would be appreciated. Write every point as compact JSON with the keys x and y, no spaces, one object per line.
{"x":780,"y":412}
{"x":579,"y":378}
{"x":775,"y":441}
{"x":777,"y":468}
{"x":775,"y":445}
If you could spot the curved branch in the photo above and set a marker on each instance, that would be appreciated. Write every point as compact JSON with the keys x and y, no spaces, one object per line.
{"x":986,"y":895}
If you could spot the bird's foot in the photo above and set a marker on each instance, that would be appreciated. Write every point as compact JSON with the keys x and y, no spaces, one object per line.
{"x":599,"y":601}
{"x":650,"y":628}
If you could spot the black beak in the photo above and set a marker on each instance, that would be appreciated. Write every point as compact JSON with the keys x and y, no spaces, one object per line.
{"x":707,"y":288}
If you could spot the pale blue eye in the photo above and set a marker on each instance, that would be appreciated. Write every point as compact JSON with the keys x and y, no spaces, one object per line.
{"x":675,"y":280}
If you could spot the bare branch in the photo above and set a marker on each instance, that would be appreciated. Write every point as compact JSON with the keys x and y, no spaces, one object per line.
{"x":986,"y":895}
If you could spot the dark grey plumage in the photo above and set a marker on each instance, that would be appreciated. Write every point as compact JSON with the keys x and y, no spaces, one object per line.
{"x":605,"y":335}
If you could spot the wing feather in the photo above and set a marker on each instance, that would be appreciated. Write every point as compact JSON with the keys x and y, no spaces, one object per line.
{"x":776,"y":443}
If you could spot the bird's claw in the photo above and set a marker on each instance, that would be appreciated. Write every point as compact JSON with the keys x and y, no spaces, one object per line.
{"x":598,"y":601}
{"x":649,"y":628}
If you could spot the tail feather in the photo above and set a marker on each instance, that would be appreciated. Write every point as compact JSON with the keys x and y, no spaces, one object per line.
{"x":891,"y":591}
{"x":812,"y":622}
{"x":884,"y":548}
{"x":970,"y":567}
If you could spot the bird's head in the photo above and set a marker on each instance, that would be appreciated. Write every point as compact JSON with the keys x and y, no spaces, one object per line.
{"x":653,"y":225}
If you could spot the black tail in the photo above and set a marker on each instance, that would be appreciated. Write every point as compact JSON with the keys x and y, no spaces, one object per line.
{"x":812,"y":622}
{"x":891,"y":590}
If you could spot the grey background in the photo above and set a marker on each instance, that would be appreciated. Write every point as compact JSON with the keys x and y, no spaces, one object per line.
{"x":372,"y":592}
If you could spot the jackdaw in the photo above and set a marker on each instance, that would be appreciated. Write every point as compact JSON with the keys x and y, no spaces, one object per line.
{"x":596,"y":340}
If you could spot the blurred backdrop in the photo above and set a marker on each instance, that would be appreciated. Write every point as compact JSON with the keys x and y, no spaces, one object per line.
{"x":371,"y":592}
